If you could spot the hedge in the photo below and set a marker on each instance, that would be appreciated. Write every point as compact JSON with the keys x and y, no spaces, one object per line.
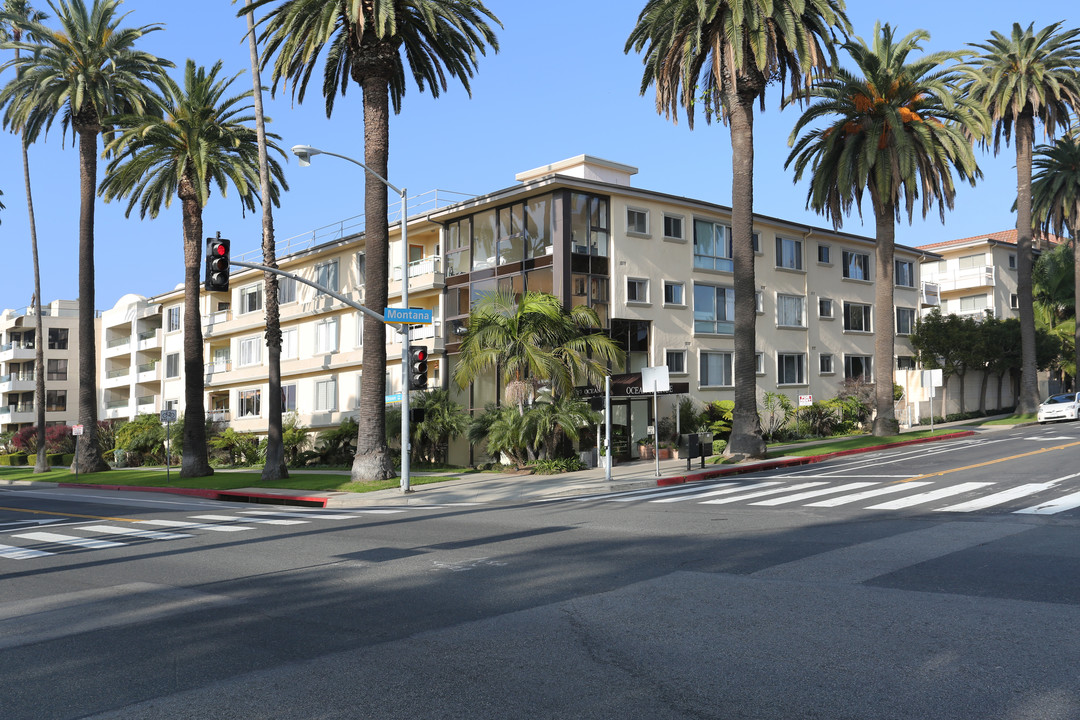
{"x":13,"y":459}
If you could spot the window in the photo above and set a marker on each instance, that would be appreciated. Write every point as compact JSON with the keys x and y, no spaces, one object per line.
{"x":716,"y":369}
{"x":905,"y":273}
{"x":788,"y":253}
{"x":55,"y":400}
{"x":326,"y":274}
{"x":249,"y":403}
{"x":791,"y":369}
{"x":326,"y":395}
{"x":326,"y":335}
{"x":973,"y":303}
{"x":972,"y":261}
{"x":674,"y":293}
{"x":856,"y":317}
{"x":58,"y":339}
{"x":858,"y":367}
{"x":288,"y":343}
{"x":789,"y":311}
{"x":1014,"y":301}
{"x":286,"y":290}
{"x":251,"y":299}
{"x":172,"y":319}
{"x":676,"y":362}
{"x":905,"y":362}
{"x":823,"y":254}
{"x":712,"y":246}
{"x":905,"y":321}
{"x":759,"y":363}
{"x":250,"y":351}
{"x":759,"y":302}
{"x":57,"y":370}
{"x":856,"y":265}
{"x":172,"y":404}
{"x":755,"y":242}
{"x":361,"y":268}
{"x":1012,"y":261}
{"x":825,"y":366}
{"x":288,"y":398}
{"x":637,"y":290}
{"x":825,"y":308}
{"x":673,"y":227}
{"x":589,"y":228}
{"x":637,"y":221}
{"x":714,"y":309}
{"x":172,"y":365}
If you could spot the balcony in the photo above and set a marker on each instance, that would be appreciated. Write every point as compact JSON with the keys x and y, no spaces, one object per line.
{"x":118,"y":346}
{"x":17,"y":382}
{"x":209,"y":320}
{"x":145,"y":405}
{"x":147,"y":372}
{"x":219,"y":415}
{"x":22,"y":413}
{"x":149,"y":339}
{"x":424,"y":274}
{"x":117,"y":377}
{"x":968,"y":278}
{"x":16,"y":351}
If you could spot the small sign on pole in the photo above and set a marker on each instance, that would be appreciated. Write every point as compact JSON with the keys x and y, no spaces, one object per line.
{"x":76,"y":430}
{"x":168,"y":417}
{"x":806,"y":400}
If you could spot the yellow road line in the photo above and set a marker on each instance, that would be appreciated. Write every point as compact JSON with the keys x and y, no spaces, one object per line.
{"x":74,"y":515}
{"x":991,"y":462}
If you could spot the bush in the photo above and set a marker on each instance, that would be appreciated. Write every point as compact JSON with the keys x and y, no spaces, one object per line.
{"x":13,"y":459}
{"x":557,"y":466}
{"x":55,"y":459}
{"x":68,"y":459}
{"x":718,"y":417}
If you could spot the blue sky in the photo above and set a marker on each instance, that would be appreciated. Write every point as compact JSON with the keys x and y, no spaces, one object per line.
{"x":560,"y":86}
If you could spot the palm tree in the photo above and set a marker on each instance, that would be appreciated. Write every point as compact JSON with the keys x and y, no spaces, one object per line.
{"x":16,"y":14}
{"x":1055,"y":190}
{"x":1019,"y":79}
{"x":531,"y":339}
{"x":84,"y":72}
{"x":556,"y":416}
{"x":364,"y":42}
{"x":895,"y":130}
{"x":722,"y":55}
{"x":200,"y":137}
{"x":443,"y":420}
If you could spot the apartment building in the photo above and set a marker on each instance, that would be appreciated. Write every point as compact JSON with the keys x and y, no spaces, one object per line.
{"x":18,"y":343}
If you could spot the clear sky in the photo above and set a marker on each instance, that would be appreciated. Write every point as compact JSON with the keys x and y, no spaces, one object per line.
{"x":560,"y":86}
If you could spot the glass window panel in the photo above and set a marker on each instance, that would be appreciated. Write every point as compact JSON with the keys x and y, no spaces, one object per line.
{"x":483,"y":242}
{"x":511,"y":234}
{"x":539,"y":281}
{"x":579,"y":223}
{"x":539,"y":238}
{"x":480,"y":288}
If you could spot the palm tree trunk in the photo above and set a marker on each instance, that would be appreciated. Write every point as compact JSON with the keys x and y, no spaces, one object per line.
{"x":372,"y":461}
{"x":1028,"y":400}
{"x":884,"y":319}
{"x":1076,"y":316}
{"x":88,"y":455}
{"x":41,"y":465}
{"x":194,"y":462}
{"x":746,"y":438}
{"x":274,"y":468}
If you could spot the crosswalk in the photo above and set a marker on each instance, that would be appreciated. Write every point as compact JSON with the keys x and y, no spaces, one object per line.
{"x":28,"y":545}
{"x":1051,"y":497}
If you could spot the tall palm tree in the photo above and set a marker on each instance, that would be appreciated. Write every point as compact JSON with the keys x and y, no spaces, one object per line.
{"x":16,"y":14}
{"x":530,"y":338}
{"x":85,"y":71}
{"x":1021,"y":78}
{"x":200,"y":137}
{"x":894,"y":130}
{"x":364,"y":43}
{"x":721,"y":55}
{"x":1055,"y":190}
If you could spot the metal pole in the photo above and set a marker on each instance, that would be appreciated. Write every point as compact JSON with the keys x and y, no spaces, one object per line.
{"x":656,"y":430}
{"x":607,"y":429}
{"x":406,"y":371}
{"x":168,"y":450}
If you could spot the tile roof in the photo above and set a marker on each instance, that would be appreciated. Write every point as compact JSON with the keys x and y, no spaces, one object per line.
{"x":1005,"y":236}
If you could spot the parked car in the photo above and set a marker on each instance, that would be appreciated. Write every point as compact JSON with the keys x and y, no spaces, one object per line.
{"x":1060,"y":407}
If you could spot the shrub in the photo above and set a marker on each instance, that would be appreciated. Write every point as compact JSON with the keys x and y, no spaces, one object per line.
{"x":778,"y":412}
{"x":13,"y":459}
{"x":718,"y":417}
{"x":557,"y":465}
{"x":55,"y":459}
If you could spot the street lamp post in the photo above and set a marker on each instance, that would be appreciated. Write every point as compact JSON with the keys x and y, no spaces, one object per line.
{"x":304,"y":153}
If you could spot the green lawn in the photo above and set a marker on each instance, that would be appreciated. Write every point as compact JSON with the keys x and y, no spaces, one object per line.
{"x":861,"y":441}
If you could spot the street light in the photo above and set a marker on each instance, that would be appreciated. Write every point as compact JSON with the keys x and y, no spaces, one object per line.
{"x":304,"y":153}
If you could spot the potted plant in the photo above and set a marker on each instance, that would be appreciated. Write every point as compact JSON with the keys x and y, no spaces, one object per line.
{"x":645,"y":447}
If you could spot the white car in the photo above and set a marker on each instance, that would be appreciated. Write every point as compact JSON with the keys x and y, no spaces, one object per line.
{"x":1060,"y":407}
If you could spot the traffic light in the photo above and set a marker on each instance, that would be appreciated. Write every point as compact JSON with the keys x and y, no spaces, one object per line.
{"x":418,"y":367}
{"x":217,"y":265}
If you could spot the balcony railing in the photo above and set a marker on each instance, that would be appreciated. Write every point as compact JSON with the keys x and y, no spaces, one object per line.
{"x":117,"y":342}
{"x":217,"y":367}
{"x":144,"y":400}
{"x":114,"y":404}
{"x":219,"y":416}
{"x":119,"y":372}
{"x":148,"y":334}
{"x":146,"y":367}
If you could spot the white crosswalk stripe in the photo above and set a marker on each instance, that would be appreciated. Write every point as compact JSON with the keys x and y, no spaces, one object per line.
{"x":848,"y":499}
{"x":293,"y":514}
{"x":813,"y":493}
{"x":759,"y":493}
{"x":1068,"y":502}
{"x":71,"y":540}
{"x":133,"y":532}
{"x":929,"y":496}
{"x":721,"y":489}
{"x":10,"y":552}
{"x":197,"y":526}
{"x":998,"y":498}
{"x":264,"y":521}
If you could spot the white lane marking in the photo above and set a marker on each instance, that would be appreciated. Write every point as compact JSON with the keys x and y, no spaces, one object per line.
{"x":264,"y":521}
{"x":1066,"y":502}
{"x":814,"y":493}
{"x":845,"y":499}
{"x":759,"y":493}
{"x":929,"y":496}
{"x":632,"y":495}
{"x":999,"y":498}
{"x":17,"y":553}
{"x":718,"y":489}
{"x":133,"y":532}
{"x":69,"y":540}
{"x":299,"y":515}
{"x":197,"y":526}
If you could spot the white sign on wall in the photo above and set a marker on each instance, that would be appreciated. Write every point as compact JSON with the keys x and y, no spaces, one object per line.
{"x":655,"y":379}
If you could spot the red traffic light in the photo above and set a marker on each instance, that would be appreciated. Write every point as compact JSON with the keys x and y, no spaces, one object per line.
{"x":420,"y":355}
{"x":220,"y":249}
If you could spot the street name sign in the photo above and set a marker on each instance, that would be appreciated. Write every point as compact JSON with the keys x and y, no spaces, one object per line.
{"x":416,"y":316}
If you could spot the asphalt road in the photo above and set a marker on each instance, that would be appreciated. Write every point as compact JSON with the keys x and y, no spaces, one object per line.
{"x":818,"y":592}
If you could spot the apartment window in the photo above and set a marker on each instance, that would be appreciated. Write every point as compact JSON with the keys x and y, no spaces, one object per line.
{"x":673,"y":227}
{"x":759,"y":363}
{"x":172,"y":404}
{"x":56,"y":369}
{"x":288,"y":398}
{"x":788,"y":253}
{"x":251,"y":299}
{"x":714,"y":309}
{"x":589,"y":227}
{"x":289,"y":338}
{"x":249,"y":403}
{"x":55,"y":400}
{"x":676,"y":362}
{"x":326,"y":335}
{"x":172,"y":319}
{"x":856,"y":265}
{"x":856,"y":317}
{"x":791,"y":369}
{"x":286,"y":290}
{"x":172,"y":365}
{"x":250,"y":351}
{"x":674,"y":293}
{"x":1014,"y":301}
{"x":637,"y":290}
{"x":905,"y":362}
{"x":858,"y":367}
{"x":712,"y":246}
{"x":326,"y":395}
{"x":825,"y":364}
{"x":972,"y":261}
{"x":823,"y":254}
{"x":58,"y":338}
{"x":326,"y":274}
{"x":905,"y":273}
{"x":789,"y":311}
{"x":905,"y":321}
{"x":1012,"y":261}
{"x":755,"y":242}
{"x":825,"y":308}
{"x":637,"y":221}
{"x":973,"y":303}
{"x":716,"y":369}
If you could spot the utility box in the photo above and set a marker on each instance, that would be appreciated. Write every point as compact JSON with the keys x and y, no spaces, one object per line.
{"x":695,"y":445}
